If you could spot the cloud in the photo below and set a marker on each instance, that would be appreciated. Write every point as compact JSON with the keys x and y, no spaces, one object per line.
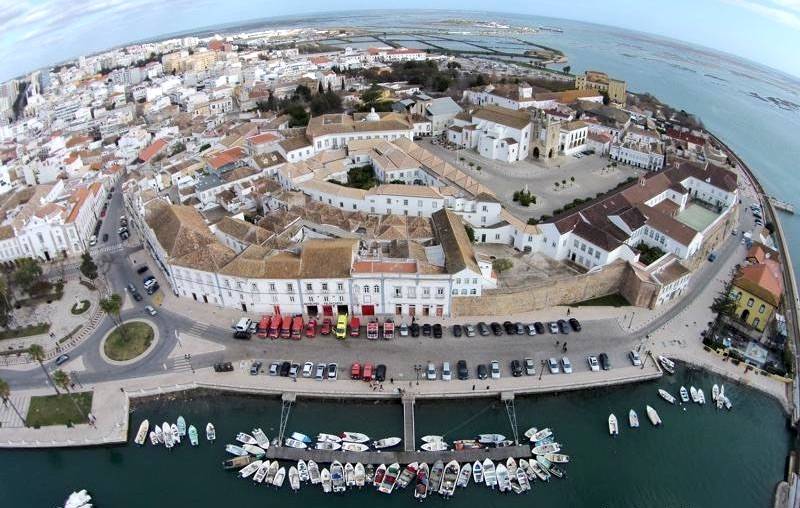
{"x":785,"y":12}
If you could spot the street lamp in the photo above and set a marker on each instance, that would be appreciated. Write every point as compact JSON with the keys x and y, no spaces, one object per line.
{"x":541,"y":371}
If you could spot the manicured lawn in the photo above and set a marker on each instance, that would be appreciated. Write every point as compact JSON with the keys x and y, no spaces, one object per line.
{"x":136,"y":339}
{"x":26,"y":331}
{"x":59,"y":410}
{"x":615,"y":300}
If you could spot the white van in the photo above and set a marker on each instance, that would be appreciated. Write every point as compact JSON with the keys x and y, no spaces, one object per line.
{"x":243,"y":325}
{"x":446,"y":374}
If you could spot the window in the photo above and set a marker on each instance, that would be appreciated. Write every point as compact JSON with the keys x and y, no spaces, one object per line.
{"x":290,"y":287}
{"x":308,"y":286}
{"x":398,"y":292}
{"x":411,"y":291}
{"x":272,"y":286}
{"x":750,"y":302}
{"x":455,"y":292}
{"x":324,"y":286}
{"x":761,"y":309}
{"x":756,"y":322}
{"x":376,"y":289}
{"x":366,"y":290}
{"x":426,"y":292}
{"x":473,"y":291}
{"x":339,"y":286}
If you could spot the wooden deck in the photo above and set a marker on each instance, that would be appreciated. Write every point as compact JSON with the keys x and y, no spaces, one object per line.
{"x":401,"y":457}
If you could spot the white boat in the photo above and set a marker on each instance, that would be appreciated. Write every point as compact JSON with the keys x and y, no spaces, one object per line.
{"x":378,"y":478}
{"x":503,"y":480}
{"x":329,"y":437}
{"x":353,"y":447}
{"x":176,"y":434}
{"x":714,"y":392}
{"x":666,"y":396}
{"x":633,"y":419}
{"x":181,"y":426}
{"x":293,"y":443}
{"x":526,"y":466}
{"x":542,"y":434}
{"x":684,"y":394}
{"x":431,"y":438}
{"x":421,"y":485}
{"x":193,"y":435}
{"x":327,"y":445}
{"x":254,"y":450}
{"x":248,"y":470}
{"x":693,"y":394}
{"x":325,"y":479}
{"x":530,"y":432}
{"x":721,"y":397}
{"x":279,"y":477}
{"x":511,"y":465}
{"x":211,"y":432}
{"x":262,"y":472}
{"x":477,"y":472}
{"x":435,"y":446}
{"x":463,"y":476}
{"x":540,"y":472}
{"x":408,"y":474}
{"x":166,"y":431}
{"x":313,"y":472}
{"x":450,"y":478}
{"x":667,"y":364}
{"x":550,"y":468}
{"x":354,"y":437}
{"x":558,"y":458}
{"x":337,"y":476}
{"x":386,"y":442}
{"x":294,"y":479}
{"x":246,"y":438}
{"x":556,"y":447}
{"x":728,"y":404}
{"x":653,"y":416}
{"x":522,"y":479}
{"x":301,"y":437}
{"x":261,"y":439}
{"x":302,"y":470}
{"x":153,"y":438}
{"x":349,"y":475}
{"x":491,"y":438}
{"x":701,"y":397}
{"x":159,"y":434}
{"x":360,"y":475}
{"x":389,"y":478}
{"x":271,"y":472}
{"x":78,"y":499}
{"x":613,"y":428}
{"x":141,"y":434}
{"x":489,"y":473}
{"x":235,"y":450}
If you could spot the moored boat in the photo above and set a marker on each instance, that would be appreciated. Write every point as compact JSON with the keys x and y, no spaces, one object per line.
{"x":556,"y":457}
{"x":409,"y":473}
{"x":542,"y":434}
{"x":666,"y":396}
{"x":489,"y":473}
{"x":550,"y":467}
{"x":530,"y":432}
{"x":525,"y":466}
{"x":714,"y":392}
{"x":556,"y":447}
{"x":325,"y":479}
{"x":633,"y":419}
{"x":421,"y":485}
{"x":153,"y":438}
{"x":294,"y":443}
{"x":523,"y":480}
{"x":386,"y":442}
{"x":329,"y":437}
{"x":491,"y":438}
{"x":431,"y":438}
{"x":667,"y":364}
{"x":181,"y":426}
{"x":302,"y":470}
{"x":541,"y":473}
{"x":349,"y":475}
{"x":477,"y":472}
{"x":261,"y":438}
{"x":389,"y":478}
{"x":254,"y":450}
{"x":511,"y":465}
{"x":369,"y":474}
{"x":141,"y":434}
{"x":613,"y":427}
{"x":434,"y":446}
{"x":294,"y":479}
{"x":176,"y":433}
{"x":378,"y":477}
{"x":280,"y":475}
{"x":354,"y":437}
{"x":262,"y":472}
{"x":437,"y":472}
{"x":701,"y":397}
{"x":463,"y":475}
{"x":193,"y":439}
{"x":360,"y":475}
{"x":211,"y":432}
{"x":299,"y":436}
{"x":684,"y":394}
{"x":327,"y":445}
{"x":159,"y":434}
{"x":246,"y":438}
{"x":693,"y":394}
{"x":449,"y":478}
{"x":248,"y":470}
{"x":169,"y":439}
{"x":353,"y":447}
{"x":237,"y":462}
{"x":271,"y":472}
{"x":313,"y":472}
{"x":337,"y":476}
{"x":503,"y":480}
{"x":652,"y":414}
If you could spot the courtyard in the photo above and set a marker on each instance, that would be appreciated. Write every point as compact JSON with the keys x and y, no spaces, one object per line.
{"x":526,"y":269}
{"x":697,"y":217}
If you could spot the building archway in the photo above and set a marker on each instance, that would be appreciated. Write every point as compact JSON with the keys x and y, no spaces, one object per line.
{"x":745,"y":315}
{"x":550,"y":154}
{"x":536,"y":152}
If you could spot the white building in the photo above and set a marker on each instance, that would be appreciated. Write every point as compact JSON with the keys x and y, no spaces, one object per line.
{"x":494,"y":132}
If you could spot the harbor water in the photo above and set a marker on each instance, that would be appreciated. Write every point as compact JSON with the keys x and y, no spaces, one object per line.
{"x":700,"y":457}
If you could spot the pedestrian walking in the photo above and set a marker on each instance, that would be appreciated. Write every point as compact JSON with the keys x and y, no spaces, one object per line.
{"x":391,"y":380}
{"x":473,"y":388}
{"x":568,"y":309}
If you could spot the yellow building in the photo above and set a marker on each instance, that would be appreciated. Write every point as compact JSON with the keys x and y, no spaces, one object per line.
{"x":616,"y":89}
{"x":757,"y":290}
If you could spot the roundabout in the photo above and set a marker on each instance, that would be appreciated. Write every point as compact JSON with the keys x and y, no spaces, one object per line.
{"x":130,"y":342}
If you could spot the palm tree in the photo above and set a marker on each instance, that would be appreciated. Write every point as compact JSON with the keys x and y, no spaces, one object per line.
{"x":112,"y":306}
{"x":36,"y":352}
{"x":61,"y":379}
{"x":5,"y":393}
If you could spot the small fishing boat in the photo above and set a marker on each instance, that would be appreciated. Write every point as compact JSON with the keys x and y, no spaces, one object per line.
{"x":141,"y":434}
{"x":386,"y":442}
{"x":523,"y":480}
{"x":506,"y":442}
{"x":176,"y":433}
{"x":539,"y":471}
{"x":555,"y":447}
{"x":431,"y":438}
{"x":327,"y":445}
{"x":511,"y":465}
{"x":477,"y":472}
{"x":633,"y":419}
{"x":302,"y":470}
{"x":329,"y":437}
{"x":542,"y":434}
{"x":261,"y":439}
{"x":463,"y":476}
{"x":467,"y":444}
{"x":166,"y":431}
{"x":613,"y":428}
{"x":449,"y":478}
{"x":211,"y":432}
{"x":337,"y":476}
{"x":313,"y":472}
{"x":378,"y":477}
{"x":237,"y":462}
{"x":354,"y":437}
{"x":181,"y":426}
{"x":550,"y":467}
{"x":254,"y":450}
{"x":301,"y":437}
{"x":652,"y":414}
{"x":279,"y":477}
{"x":369,"y":474}
{"x":349,"y":475}
{"x":714,"y":392}
{"x":325,"y":479}
{"x":409,"y":473}
{"x":246,"y":438}
{"x":667,"y":364}
{"x":262,"y":472}
{"x":559,"y":458}
{"x":693,"y":394}
{"x":294,"y":443}
{"x":666,"y":396}
{"x":491,"y":438}
{"x":153,"y":438}
{"x":684,"y":394}
{"x":80,"y":499}
{"x":437,"y":472}
{"x":352,"y":447}
{"x":360,"y":475}
{"x":159,"y":434}
{"x":503,"y":480}
{"x":193,"y":439}
{"x":389,"y":478}
{"x":271,"y":472}
{"x":530,"y":432}
{"x":434,"y":446}
{"x":701,"y":397}
{"x":525,"y":466}
{"x":489,"y":473}
{"x":294,"y":479}
{"x":248,"y":470}
{"x":721,"y":397}
{"x":421,"y":486}
{"x":547,"y":440}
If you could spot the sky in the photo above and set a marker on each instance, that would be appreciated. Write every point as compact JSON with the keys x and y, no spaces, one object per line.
{"x":39,"y":33}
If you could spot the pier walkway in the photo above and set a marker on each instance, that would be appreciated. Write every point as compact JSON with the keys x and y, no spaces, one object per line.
{"x":401,"y":457}
{"x":409,"y":436}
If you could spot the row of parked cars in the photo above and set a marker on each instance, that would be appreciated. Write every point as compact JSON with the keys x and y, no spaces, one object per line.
{"x":320,"y":371}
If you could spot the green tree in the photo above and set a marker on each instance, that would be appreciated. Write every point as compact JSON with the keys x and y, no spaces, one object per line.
{"x":441,"y":83}
{"x":567,"y":68}
{"x":5,"y":302}
{"x":724,"y":304}
{"x":27,"y":274}
{"x":298,"y":117}
{"x":36,"y":352}
{"x":88,"y":267}
{"x":501,"y":265}
{"x":112,"y":306}
{"x":62,"y":380}
{"x":5,"y":394}
{"x":302,"y":92}
{"x":470,"y":232}
{"x":320,"y":88}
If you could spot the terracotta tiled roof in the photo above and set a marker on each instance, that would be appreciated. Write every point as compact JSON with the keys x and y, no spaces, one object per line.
{"x":152,"y":150}
{"x":762,"y":280}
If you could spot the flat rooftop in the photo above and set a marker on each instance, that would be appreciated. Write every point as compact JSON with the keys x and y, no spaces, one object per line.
{"x":697,"y":217}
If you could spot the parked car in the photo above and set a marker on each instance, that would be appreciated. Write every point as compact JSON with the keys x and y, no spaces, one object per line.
{"x":308,"y":369}
{"x":427,"y":330}
{"x":319,"y":372}
{"x":437,"y":331}
{"x":553,"y":327}
{"x":332,"y":370}
{"x":483,"y":329}
{"x":326,"y":327}
{"x":285,"y":368}
{"x":255,"y":368}
{"x":575,"y":324}
{"x":62,"y":359}
{"x":366,"y":373}
{"x":414,"y":329}
{"x":539,"y":326}
{"x":530,"y":367}
{"x":461,"y":370}
{"x":495,"y":369}
{"x":150,"y":310}
{"x":563,"y":327}
{"x":105,"y":237}
{"x":274,"y":367}
{"x":483,"y":372}
{"x":604,"y":362}
{"x":469,"y":330}
{"x":516,"y":368}
{"x":430,"y":372}
{"x":136,"y":296}
{"x":635,"y":358}
{"x":519,"y":329}
{"x":142,"y":269}
{"x":712,"y":256}
{"x":497,"y":330}
{"x":93,"y":241}
{"x":152,"y":289}
{"x":380,"y":373}
{"x":552,"y":363}
{"x":446,"y":374}
{"x":593,"y":365}
{"x":223,"y":367}
{"x":530,"y":329}
{"x":509,"y":328}
{"x":458,"y":331}
{"x":404,"y":330}
{"x":241,"y":334}
{"x":566,"y":365}
{"x":311,"y":328}
{"x":294,"y":370}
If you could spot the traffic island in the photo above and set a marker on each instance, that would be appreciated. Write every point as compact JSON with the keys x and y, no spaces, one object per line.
{"x":129,"y":342}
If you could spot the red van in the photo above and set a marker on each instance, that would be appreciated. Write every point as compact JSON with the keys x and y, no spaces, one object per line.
{"x":355,"y":327}
{"x":366,"y":372}
{"x":263,"y":327}
{"x":275,"y":326}
{"x":297,"y":327}
{"x":286,"y":327}
{"x":355,"y":371}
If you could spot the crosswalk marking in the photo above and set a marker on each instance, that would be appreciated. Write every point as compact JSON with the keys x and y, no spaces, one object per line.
{"x":181,"y":364}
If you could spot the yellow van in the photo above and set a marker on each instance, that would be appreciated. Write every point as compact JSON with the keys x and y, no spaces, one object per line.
{"x":341,"y":326}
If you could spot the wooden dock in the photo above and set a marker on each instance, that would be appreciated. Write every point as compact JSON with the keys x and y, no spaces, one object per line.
{"x":401,"y":457}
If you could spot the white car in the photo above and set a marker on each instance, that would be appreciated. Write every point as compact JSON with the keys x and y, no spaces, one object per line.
{"x":150,"y":310}
{"x":446,"y":374}
{"x":636,"y":360}
{"x":566,"y":365}
{"x":552,"y":363}
{"x":430,"y":372}
{"x":593,"y":365}
{"x":495,"y":369}
{"x":308,"y":369}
